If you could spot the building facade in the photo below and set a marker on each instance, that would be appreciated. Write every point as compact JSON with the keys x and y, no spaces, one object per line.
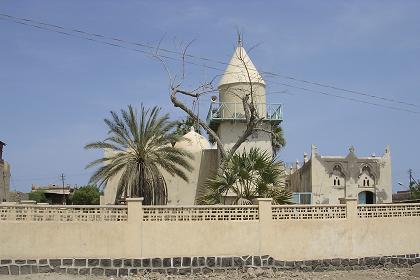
{"x":329,"y":179}
{"x":4,"y":176}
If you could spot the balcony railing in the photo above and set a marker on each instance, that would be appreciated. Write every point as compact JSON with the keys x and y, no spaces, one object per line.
{"x":234,"y":111}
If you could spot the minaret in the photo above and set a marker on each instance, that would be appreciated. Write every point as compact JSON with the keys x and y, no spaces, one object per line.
{"x":227,"y":116}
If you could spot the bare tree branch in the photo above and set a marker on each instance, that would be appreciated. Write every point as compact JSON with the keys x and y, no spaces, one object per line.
{"x":182,"y":106}
{"x":245,"y":95}
{"x":265,"y":130}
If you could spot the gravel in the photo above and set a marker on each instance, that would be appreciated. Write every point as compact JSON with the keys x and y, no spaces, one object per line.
{"x":383,"y":274}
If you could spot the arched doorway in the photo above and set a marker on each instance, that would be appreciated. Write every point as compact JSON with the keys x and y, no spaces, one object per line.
{"x":366,"y":197}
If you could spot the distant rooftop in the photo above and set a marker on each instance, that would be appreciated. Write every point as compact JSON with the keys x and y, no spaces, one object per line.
{"x":53,"y":188}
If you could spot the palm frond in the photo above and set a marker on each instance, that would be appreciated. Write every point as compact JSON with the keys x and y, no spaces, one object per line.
{"x":248,"y":175}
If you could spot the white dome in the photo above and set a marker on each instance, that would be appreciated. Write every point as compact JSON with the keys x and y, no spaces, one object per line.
{"x":192,"y":141}
{"x":239,"y":67}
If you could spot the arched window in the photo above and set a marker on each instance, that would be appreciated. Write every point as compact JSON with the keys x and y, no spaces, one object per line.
{"x":338,"y":176}
{"x":366,"y":178}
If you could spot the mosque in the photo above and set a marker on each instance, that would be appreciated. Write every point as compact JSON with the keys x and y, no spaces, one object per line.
{"x":320,"y":180}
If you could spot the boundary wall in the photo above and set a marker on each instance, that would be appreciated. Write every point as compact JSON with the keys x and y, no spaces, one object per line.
{"x":33,"y":235}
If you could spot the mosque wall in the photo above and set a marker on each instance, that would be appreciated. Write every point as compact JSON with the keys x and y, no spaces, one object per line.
{"x":205,"y":165}
{"x":288,"y":233}
{"x":110,"y":189}
{"x":300,"y":180}
{"x":182,"y":192}
{"x":230,"y":131}
{"x":208,"y":168}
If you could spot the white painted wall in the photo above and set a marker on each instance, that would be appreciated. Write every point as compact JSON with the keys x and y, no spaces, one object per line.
{"x":230,"y":131}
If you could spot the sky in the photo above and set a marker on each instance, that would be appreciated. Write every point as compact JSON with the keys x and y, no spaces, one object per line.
{"x":55,"y":90}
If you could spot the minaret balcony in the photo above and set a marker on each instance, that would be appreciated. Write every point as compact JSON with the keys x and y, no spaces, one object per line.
{"x":232,"y":111}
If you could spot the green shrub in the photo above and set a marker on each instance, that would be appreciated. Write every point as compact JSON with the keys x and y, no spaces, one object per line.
{"x":86,"y":195}
{"x":38,"y":196}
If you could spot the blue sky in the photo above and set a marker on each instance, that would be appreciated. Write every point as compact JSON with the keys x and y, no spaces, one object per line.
{"x":55,"y":90}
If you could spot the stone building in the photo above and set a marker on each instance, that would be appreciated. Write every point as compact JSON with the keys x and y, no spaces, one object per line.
{"x":55,"y":194}
{"x":328,"y":179}
{"x":4,"y":175}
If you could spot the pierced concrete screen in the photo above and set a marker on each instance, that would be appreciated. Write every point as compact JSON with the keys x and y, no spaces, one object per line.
{"x":197,"y":213}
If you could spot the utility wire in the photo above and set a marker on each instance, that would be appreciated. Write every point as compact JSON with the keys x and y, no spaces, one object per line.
{"x":344,"y":97}
{"x":151,"y":48}
{"x":341,"y":89}
{"x":32,"y":23}
{"x":19,"y":21}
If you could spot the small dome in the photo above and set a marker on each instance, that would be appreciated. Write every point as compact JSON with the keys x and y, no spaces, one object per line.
{"x":238,"y":69}
{"x":192,"y":141}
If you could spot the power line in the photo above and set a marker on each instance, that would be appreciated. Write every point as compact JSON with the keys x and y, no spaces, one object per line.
{"x":205,"y":59}
{"x":345,"y":98}
{"x":341,"y":89}
{"x":19,"y":21}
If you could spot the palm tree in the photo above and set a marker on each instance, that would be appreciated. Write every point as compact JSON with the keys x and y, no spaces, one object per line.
{"x":277,"y":139}
{"x":247,"y":176}
{"x":140,"y":147}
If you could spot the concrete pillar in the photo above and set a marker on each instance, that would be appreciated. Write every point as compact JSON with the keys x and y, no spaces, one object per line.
{"x":351,"y":207}
{"x":264,"y":209}
{"x":265,"y":223}
{"x":135,"y":209}
{"x":101,"y":200}
{"x":133,"y":237}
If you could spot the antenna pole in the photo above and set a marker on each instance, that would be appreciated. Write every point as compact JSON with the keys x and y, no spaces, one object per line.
{"x":62,"y":180}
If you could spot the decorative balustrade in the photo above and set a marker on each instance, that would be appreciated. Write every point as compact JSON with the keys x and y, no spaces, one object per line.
{"x":68,"y":213}
{"x":234,"y":111}
{"x":73,"y":213}
{"x":200,"y":213}
{"x":388,"y":210}
{"x":308,"y":212}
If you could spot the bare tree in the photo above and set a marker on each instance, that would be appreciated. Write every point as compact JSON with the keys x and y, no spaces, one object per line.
{"x":247,"y":97}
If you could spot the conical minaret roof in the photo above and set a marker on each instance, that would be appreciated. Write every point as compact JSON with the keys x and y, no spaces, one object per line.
{"x":241,"y":69}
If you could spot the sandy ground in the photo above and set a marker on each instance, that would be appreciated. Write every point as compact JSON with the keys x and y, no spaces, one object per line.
{"x":383,"y":274}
